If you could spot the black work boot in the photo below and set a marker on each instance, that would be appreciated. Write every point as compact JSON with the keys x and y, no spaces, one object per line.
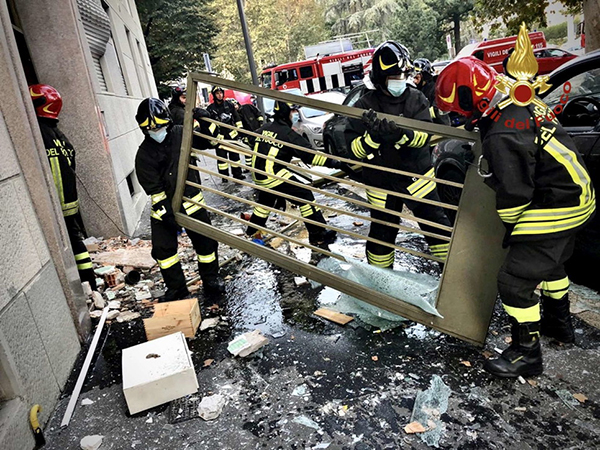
{"x":174,"y":294}
{"x":213,"y":285}
{"x":523,"y":357}
{"x":556,"y":319}
{"x":323,"y":239}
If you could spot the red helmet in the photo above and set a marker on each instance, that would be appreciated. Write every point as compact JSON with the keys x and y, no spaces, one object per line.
{"x":463,"y":84}
{"x":46,"y":100}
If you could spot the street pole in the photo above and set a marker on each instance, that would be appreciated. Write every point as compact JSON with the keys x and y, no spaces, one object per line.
{"x":249,"y":52}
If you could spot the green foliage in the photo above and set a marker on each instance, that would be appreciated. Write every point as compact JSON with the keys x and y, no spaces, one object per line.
{"x":278,"y":29}
{"x":451,"y":13}
{"x":177,"y":32}
{"x":355,"y":16}
{"x":416,"y":25}
{"x":556,"y":34}
{"x":512,"y":13}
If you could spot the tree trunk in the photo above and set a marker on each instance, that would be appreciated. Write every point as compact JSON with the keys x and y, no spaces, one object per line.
{"x":457,"y":45}
{"x":591,"y":13}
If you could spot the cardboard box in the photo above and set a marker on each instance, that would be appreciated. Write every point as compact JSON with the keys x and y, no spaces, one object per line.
{"x":157,"y":372}
{"x":170,"y":317}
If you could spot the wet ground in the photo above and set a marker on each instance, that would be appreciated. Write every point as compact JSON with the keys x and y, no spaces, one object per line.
{"x":319,"y":385}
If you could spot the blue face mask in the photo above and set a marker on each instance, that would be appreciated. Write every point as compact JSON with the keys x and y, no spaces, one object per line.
{"x":158,"y":135}
{"x":396,"y":87}
{"x":295,"y":117}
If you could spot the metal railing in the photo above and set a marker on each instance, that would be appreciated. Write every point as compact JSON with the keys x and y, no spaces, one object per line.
{"x":467,"y":289}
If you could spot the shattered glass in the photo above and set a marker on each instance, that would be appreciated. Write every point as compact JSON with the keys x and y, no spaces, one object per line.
{"x":417,"y":289}
{"x":429,"y":406}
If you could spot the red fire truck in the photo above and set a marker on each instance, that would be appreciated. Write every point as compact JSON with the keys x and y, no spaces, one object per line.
{"x":318,"y":74}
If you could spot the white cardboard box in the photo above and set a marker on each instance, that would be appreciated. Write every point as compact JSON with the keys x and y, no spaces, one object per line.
{"x":157,"y":372}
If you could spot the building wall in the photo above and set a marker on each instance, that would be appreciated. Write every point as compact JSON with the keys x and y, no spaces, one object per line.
{"x":38,"y":337}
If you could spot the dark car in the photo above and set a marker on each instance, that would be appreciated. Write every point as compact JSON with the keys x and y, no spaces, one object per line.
{"x":575,"y":98}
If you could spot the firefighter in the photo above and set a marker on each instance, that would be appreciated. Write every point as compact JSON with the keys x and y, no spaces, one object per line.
{"x":281,"y":129}
{"x":384,"y":144}
{"x":425,"y":79}
{"x":156,"y":165}
{"x":61,"y":156}
{"x":543,"y":196}
{"x":177,"y":105}
{"x":251,"y":117}
{"x":225,"y":112}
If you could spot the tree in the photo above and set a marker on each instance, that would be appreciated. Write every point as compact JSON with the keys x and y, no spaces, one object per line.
{"x":177,"y":32}
{"x":355,"y":16}
{"x":451,"y":13}
{"x":278,"y":29}
{"x":532,"y":12}
{"x":416,"y":26}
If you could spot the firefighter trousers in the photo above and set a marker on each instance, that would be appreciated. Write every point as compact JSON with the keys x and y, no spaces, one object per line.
{"x":529,"y":264}
{"x":382,"y":255}
{"x":308,"y":211}
{"x":164,"y":250}
{"x":82,"y":257}
{"x":223,"y":166}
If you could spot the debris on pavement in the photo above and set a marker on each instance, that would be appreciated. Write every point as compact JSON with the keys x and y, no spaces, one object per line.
{"x":301,"y":281}
{"x":92,"y":442}
{"x":126,"y":316}
{"x":211,"y":407}
{"x":138,"y":257}
{"x":149,"y":382}
{"x":334,"y":316}
{"x":567,"y":398}
{"x":209,"y":323}
{"x":99,"y":302}
{"x":414,"y":427}
{"x":86,"y":402}
{"x":429,"y":406}
{"x":171,"y":317}
{"x":303,"y":420}
{"x":247,"y":343}
{"x":580,"y":398}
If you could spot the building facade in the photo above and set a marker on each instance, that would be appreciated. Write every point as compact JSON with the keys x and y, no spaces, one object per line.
{"x":94,"y":54}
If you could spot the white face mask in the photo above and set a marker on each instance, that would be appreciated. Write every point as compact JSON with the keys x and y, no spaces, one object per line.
{"x":158,"y":135}
{"x":396,"y":87}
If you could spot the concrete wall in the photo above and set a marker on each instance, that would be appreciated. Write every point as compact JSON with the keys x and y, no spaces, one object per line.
{"x":40,"y":294}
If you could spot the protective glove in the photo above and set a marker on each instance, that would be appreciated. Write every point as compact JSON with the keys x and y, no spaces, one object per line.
{"x":333,"y":163}
{"x":386,"y":131}
{"x":163,"y":212}
{"x":200,"y":113}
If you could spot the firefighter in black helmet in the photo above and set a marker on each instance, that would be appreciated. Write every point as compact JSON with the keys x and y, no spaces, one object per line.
{"x":281,"y":129}
{"x":177,"y":105}
{"x":156,"y":165}
{"x":385,"y":144}
{"x":225,"y":112}
{"x":425,"y":79}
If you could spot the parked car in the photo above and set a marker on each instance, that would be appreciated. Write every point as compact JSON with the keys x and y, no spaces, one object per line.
{"x":580,"y":116}
{"x":269,"y":103}
{"x":311,"y":121}
{"x":549,"y":59}
{"x":439,"y":65}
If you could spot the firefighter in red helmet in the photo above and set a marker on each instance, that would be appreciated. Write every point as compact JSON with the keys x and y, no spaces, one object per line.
{"x":383,"y":143}
{"x":543,"y":196}
{"x":61,"y":156}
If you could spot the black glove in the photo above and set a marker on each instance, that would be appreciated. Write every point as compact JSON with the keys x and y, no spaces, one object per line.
{"x":386,"y":132}
{"x":163,"y":211}
{"x":369,"y":117}
{"x":333,"y":163}
{"x":200,"y":113}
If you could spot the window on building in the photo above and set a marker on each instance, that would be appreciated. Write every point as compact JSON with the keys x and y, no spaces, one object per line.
{"x":130,"y":183}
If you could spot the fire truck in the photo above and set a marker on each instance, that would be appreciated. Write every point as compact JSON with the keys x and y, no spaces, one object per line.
{"x":318,"y":74}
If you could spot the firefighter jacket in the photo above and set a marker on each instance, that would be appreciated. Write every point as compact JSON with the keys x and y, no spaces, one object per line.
{"x":177,"y":110}
{"x":225,"y":112}
{"x":410,"y":154}
{"x":281,"y":131}
{"x":156,"y":168}
{"x":61,"y":156}
{"x":251,"y":117}
{"x":543,"y":189}
{"x":428,"y":91}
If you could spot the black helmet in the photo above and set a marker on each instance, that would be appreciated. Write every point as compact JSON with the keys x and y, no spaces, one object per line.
{"x":178,"y":91}
{"x":390,"y":58}
{"x":215,"y":89}
{"x":152,"y":113}
{"x":282,"y":110}
{"x":424,"y":67}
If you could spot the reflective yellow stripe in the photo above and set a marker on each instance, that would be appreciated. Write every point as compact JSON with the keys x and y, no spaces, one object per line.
{"x":272,"y":182}
{"x":81,"y":256}
{"x":440,"y":250}
{"x":432,"y":112}
{"x":261,"y":212}
{"x":212,"y":127}
{"x":511,"y":215}
{"x":422,"y":187}
{"x":56,"y":174}
{"x":522,"y":315}
{"x":158,"y":197}
{"x":319,"y":160}
{"x":377,"y":198}
{"x":145,"y":123}
{"x":223,"y":166}
{"x":84,"y":266}
{"x":419,"y":139}
{"x":205,"y":259}
{"x":306,"y":210}
{"x":555,"y":289}
{"x":386,"y":260}
{"x":169,"y":262}
{"x":160,"y":121}
{"x":233,"y":134}
{"x":70,"y":208}
{"x":269,"y":164}
{"x":239,"y":124}
{"x":370,"y":142}
{"x":357,"y":148}
{"x":554,"y":226}
{"x":190,"y":208}
{"x":159,"y":213}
